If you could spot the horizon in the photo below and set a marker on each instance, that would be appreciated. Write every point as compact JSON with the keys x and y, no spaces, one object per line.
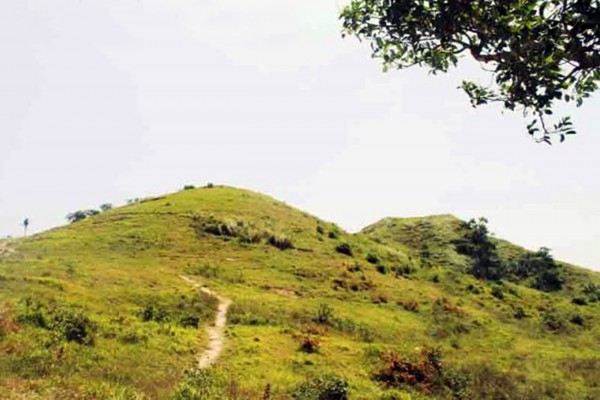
{"x":127,"y":202}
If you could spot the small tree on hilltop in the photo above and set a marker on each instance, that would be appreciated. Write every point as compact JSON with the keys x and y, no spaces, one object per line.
{"x":25,"y":226}
{"x":81,"y":215}
{"x":475,"y":243}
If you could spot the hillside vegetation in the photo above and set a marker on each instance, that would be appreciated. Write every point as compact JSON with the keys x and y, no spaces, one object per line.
{"x":98,"y":309}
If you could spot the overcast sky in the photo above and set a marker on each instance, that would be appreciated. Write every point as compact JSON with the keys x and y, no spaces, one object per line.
{"x":104,"y":100}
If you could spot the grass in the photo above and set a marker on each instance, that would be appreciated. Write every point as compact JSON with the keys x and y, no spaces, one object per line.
{"x":280,"y":266}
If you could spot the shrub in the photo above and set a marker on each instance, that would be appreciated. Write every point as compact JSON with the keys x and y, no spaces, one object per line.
{"x":344,"y":248}
{"x":380,"y":298}
{"x":324,"y":314}
{"x":497,"y":292}
{"x":334,"y":233}
{"x":74,"y":326}
{"x":190,"y":321}
{"x":412,"y":306}
{"x":209,"y":185}
{"x":473,"y":289}
{"x":153,"y":313}
{"x":281,"y":242}
{"x":320,"y":230}
{"x":309,"y":344}
{"x":200,"y":384}
{"x":403,"y":270}
{"x":554,"y":322}
{"x":133,"y":336}
{"x":354,"y":268}
{"x":328,"y":387}
{"x":33,"y":315}
{"x":580,"y":301}
{"x":519,"y":313}
{"x":577,"y":320}
{"x":372,"y":258}
{"x":424,"y":374}
{"x":382,"y":269}
{"x":189,"y":187}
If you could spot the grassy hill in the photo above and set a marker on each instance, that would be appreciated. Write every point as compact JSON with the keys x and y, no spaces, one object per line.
{"x":99,"y":309}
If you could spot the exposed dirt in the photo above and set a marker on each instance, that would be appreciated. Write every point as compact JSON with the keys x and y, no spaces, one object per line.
{"x":216,"y":332}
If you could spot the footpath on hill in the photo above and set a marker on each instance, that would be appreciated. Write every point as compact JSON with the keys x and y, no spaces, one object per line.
{"x":216,"y":332}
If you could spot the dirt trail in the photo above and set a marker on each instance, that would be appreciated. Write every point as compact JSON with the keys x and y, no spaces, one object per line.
{"x":216,"y":332}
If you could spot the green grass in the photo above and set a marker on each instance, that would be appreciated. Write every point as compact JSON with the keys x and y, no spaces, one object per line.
{"x":114,"y":266}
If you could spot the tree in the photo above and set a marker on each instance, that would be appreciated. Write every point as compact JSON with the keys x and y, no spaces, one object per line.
{"x":106,"y":207}
{"x":541,"y":269}
{"x":539,"y":51}
{"x":475,"y":243}
{"x":25,"y":226}
{"x":81,"y":215}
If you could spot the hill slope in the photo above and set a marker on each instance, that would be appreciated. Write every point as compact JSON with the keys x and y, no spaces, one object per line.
{"x":98,"y":309}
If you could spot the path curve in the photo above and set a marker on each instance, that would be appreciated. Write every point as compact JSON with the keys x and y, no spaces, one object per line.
{"x":216,"y":332}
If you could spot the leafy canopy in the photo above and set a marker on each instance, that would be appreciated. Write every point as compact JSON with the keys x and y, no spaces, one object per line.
{"x":539,"y":51}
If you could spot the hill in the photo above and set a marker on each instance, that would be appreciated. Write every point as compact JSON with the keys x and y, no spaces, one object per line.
{"x":99,"y":309}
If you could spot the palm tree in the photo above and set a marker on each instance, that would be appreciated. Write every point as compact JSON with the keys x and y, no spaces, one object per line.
{"x":25,"y":226}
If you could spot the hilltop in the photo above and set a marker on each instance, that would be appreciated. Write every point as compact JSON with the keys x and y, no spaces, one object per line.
{"x":99,"y":309}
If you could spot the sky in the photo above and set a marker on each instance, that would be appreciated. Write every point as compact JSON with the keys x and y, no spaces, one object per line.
{"x":106,"y":100}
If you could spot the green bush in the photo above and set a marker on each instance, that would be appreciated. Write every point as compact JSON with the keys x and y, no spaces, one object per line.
{"x":328,"y":387}
{"x":382,"y":269}
{"x":74,"y":326}
{"x":497,"y":292}
{"x":372,"y":258}
{"x":324,"y":314}
{"x":344,"y":248}
{"x":281,"y":242}
{"x":200,"y":384}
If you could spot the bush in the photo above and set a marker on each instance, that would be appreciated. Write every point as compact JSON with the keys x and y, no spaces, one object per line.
{"x":70,"y":324}
{"x":403,"y":270}
{"x":320,"y":230}
{"x":324,"y":314}
{"x":328,"y":387}
{"x":310,"y":344}
{"x":189,"y":187}
{"x":344,"y":248}
{"x":497,"y":292}
{"x":412,"y":306}
{"x":554,"y":322}
{"x":579,"y":301}
{"x":424,"y":374}
{"x":200,"y":384}
{"x":382,"y":269}
{"x":372,"y":258}
{"x":473,"y":289}
{"x":281,"y":242}
{"x":74,"y":326}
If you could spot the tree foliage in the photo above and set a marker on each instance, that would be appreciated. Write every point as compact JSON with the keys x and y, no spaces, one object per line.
{"x":539,"y":51}
{"x":81,"y":215}
{"x":541,"y":269}
{"x":475,"y":243}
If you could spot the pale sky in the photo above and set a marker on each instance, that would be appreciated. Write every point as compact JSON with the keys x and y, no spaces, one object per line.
{"x":105,"y":100}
